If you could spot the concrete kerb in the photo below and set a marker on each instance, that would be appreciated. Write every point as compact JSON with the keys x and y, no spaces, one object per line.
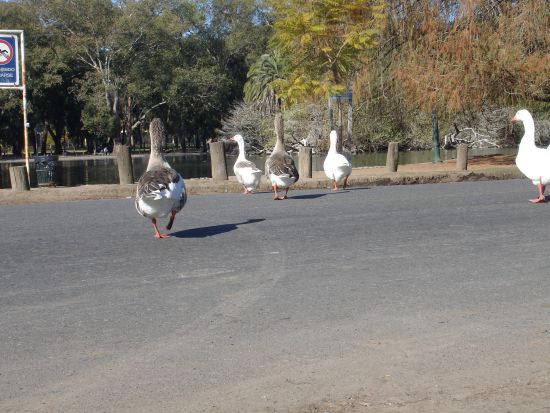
{"x":205,"y":186}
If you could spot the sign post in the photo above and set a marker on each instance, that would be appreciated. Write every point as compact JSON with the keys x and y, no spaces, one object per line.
{"x":12,"y":74}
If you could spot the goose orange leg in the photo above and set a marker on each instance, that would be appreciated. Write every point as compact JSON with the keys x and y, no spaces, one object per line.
{"x":171,"y":222}
{"x":345,"y":182}
{"x":334,"y":186}
{"x":286,"y":194}
{"x":277,"y":197}
{"x":245,"y":191}
{"x":158,"y":235}
{"x":541,"y":197}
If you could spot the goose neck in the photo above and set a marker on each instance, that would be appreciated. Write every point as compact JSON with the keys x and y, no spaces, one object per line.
{"x":528,"y":138}
{"x":242,"y":153}
{"x":280,"y":145}
{"x":157,"y":160}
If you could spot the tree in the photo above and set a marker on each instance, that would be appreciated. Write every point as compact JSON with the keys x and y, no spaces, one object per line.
{"x":263,"y":76}
{"x":465,"y":55}
{"x":325,"y":42}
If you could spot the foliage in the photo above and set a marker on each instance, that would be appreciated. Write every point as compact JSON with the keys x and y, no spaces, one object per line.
{"x":476,"y":53}
{"x":302,"y":121}
{"x":261,"y":85}
{"x":249,"y":121}
{"x":324,"y":42}
{"x":103,"y":69}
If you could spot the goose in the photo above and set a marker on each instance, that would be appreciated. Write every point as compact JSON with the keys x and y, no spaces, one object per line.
{"x":532,"y":161}
{"x":246,"y":171}
{"x":280,"y":169}
{"x":336,"y":166}
{"x":160,"y":190}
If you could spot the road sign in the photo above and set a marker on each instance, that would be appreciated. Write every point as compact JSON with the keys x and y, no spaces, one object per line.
{"x":348,"y":95}
{"x":9,"y":60}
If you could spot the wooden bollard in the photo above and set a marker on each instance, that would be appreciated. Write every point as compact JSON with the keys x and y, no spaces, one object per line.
{"x":392,"y":159}
{"x":19,"y":178}
{"x":217,"y":161}
{"x":305,"y":162}
{"x":462,"y":157}
{"x":124,"y":163}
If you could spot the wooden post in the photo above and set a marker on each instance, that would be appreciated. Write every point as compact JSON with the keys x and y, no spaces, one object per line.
{"x":305,"y":162}
{"x":392,"y":158}
{"x":462,"y":157}
{"x":124,"y":163}
{"x":217,"y":160}
{"x":19,"y":178}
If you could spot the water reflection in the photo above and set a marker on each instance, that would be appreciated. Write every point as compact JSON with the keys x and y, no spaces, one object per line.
{"x":103,"y":170}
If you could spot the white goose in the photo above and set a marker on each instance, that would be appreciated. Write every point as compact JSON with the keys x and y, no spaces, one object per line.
{"x":246,"y":171}
{"x":532,"y":161}
{"x":280,"y":169}
{"x":160,"y":190}
{"x":336,"y":166}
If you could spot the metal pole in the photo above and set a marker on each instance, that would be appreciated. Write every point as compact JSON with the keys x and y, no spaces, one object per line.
{"x":435,"y":138}
{"x":24,"y":89}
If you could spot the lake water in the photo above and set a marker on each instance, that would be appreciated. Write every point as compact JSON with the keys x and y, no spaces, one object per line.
{"x":102,"y":169}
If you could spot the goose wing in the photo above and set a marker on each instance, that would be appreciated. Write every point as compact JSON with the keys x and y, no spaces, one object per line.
{"x":281,"y":164}
{"x":162,"y":183}
{"x":247,"y":164}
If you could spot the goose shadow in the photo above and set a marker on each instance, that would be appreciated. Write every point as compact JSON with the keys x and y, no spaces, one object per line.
{"x":308,"y":196}
{"x":203,"y":232}
{"x":357,"y":188}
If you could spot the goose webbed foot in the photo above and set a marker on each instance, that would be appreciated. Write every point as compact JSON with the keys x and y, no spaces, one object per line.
{"x":277,"y":197}
{"x":158,"y":234}
{"x":541,"y":199}
{"x":286,"y":194}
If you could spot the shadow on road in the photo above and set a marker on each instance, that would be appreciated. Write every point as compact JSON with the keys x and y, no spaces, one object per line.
{"x":357,"y":188}
{"x":310,"y":196}
{"x":203,"y":232}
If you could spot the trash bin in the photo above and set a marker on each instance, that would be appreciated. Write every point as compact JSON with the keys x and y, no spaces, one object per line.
{"x":46,"y":169}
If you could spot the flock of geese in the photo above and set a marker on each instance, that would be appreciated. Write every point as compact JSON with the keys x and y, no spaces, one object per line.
{"x":161,"y":190}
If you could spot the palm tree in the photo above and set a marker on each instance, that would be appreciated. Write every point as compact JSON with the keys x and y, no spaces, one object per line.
{"x":261,"y":86}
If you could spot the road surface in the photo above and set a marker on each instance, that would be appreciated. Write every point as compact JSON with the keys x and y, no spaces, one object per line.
{"x":422,"y":298}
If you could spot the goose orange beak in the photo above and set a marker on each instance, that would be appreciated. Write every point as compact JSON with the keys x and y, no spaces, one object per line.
{"x":514,"y":120}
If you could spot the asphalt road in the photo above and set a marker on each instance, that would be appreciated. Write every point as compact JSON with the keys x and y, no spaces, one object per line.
{"x":384,"y":299}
